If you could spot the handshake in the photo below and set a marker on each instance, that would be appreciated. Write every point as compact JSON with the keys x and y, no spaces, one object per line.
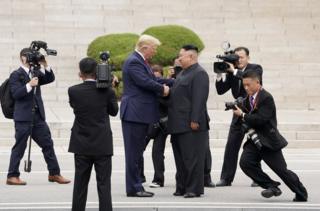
{"x":166,"y":90}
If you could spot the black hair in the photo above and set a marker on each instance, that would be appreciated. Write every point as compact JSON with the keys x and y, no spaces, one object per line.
{"x":241,"y":48}
{"x":88,"y":66}
{"x":251,"y":74}
{"x":190,"y":47}
{"x":25,"y":51}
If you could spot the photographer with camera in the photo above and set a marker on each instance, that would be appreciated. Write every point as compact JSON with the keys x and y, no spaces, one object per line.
{"x":29,"y":115}
{"x":264,"y":141}
{"x":232,"y":79}
{"x":91,"y":136}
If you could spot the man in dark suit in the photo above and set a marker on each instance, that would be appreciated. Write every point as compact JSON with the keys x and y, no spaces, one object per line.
{"x":233,"y":80}
{"x":139,"y":108}
{"x":26,"y":91}
{"x":264,"y":141}
{"x":91,"y":136}
{"x":188,"y":123}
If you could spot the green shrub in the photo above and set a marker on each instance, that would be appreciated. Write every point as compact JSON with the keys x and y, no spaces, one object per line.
{"x":172,"y":37}
{"x":119,"y":46}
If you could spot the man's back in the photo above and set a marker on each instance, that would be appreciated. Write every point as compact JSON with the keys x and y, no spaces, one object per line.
{"x":91,"y":132}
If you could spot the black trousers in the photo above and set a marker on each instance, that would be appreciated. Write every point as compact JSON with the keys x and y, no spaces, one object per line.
{"x":250,"y":163}
{"x":42,"y":136}
{"x":158,"y":148}
{"x":83,"y":167}
{"x":189,"y":153}
{"x":230,"y":161}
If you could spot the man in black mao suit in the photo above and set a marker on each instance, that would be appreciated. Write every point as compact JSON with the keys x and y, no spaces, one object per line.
{"x":233,"y":81}
{"x":25,"y":87}
{"x":259,"y":114}
{"x":188,"y":123}
{"x":91,"y":136}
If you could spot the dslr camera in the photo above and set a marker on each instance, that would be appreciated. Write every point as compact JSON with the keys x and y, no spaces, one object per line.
{"x":229,"y":56}
{"x":104,"y":69}
{"x":34,"y":56}
{"x":252,"y":135}
{"x":232,"y":105}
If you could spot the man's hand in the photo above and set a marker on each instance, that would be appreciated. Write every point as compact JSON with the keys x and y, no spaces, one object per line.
{"x":44,"y":63}
{"x":171,"y":72}
{"x":194,"y":126}
{"x":115,"y":81}
{"x":238,"y":111}
{"x":231,"y":68}
{"x":166,"y":90}
{"x":34,"y":82}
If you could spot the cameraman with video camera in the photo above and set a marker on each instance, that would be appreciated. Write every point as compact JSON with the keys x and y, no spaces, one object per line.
{"x":29,"y":114}
{"x":231,"y":78}
{"x":91,"y":137}
{"x":258,"y":116}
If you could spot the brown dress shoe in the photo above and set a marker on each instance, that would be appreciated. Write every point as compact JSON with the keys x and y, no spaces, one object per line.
{"x":15,"y":181}
{"x":58,"y":179}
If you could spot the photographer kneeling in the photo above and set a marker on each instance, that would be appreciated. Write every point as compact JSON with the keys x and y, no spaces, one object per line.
{"x":264,"y":141}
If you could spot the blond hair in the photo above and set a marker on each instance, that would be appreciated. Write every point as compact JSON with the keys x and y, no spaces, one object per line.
{"x":146,"y":40}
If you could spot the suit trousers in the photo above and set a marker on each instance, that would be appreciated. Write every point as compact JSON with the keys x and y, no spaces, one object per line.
{"x":42,"y":136}
{"x":231,"y":152}
{"x":158,"y":148}
{"x":189,"y":153}
{"x":83,"y":167}
{"x":134,"y":144}
{"x":250,"y":163}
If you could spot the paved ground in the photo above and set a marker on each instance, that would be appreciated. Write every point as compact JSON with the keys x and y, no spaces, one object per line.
{"x":42,"y":195}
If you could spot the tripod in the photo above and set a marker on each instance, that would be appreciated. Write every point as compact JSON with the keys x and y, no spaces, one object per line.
{"x":28,"y":162}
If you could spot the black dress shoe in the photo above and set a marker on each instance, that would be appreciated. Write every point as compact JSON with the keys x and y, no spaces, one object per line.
{"x":178,"y":193}
{"x":273,"y":191}
{"x":140,"y":194}
{"x":209,"y":185}
{"x":254,"y":184}
{"x":222,"y":183}
{"x":191,"y":195}
{"x":300,"y":199}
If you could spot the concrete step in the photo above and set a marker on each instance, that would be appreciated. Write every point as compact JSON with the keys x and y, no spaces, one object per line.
{"x":300,"y":128}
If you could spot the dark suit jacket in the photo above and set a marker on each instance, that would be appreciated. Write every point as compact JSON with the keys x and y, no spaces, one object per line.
{"x":188,"y":100}
{"x":235,"y":82}
{"x":91,"y":133}
{"x":23,"y":100}
{"x":263,"y":118}
{"x":139,"y":101}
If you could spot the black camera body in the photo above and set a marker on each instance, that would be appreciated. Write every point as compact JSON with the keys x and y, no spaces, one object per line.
{"x":229,"y":56}
{"x":252,"y":135}
{"x":103,"y":72}
{"x":34,"y":56}
{"x":232,"y":105}
{"x":177,"y":70}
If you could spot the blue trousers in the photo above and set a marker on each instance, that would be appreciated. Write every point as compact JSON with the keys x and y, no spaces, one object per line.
{"x":42,"y":136}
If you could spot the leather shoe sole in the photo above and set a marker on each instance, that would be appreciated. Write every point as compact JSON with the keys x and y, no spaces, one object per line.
{"x":140,"y":194}
{"x":191,"y":195}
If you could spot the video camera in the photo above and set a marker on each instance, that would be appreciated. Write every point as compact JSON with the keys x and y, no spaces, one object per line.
{"x":34,"y":56}
{"x":103,"y":73}
{"x":229,"y":56}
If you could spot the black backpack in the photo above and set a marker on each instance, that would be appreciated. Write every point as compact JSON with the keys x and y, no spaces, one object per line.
{"x":6,"y":99}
